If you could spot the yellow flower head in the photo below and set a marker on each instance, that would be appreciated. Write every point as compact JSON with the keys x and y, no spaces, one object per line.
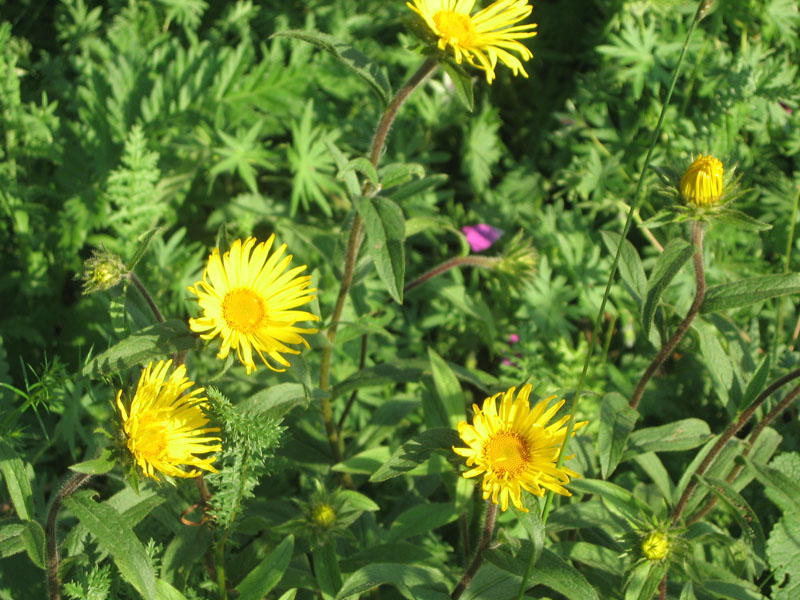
{"x":655,"y":546}
{"x":483,"y":38}
{"x":702,"y":183}
{"x":165,"y":427}
{"x":514,"y":448}
{"x":249,"y":300}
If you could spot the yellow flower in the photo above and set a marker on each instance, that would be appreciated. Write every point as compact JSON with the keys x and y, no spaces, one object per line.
{"x":514,"y":449}
{"x":483,"y":38}
{"x":248,"y":299}
{"x":166,"y":428}
{"x":655,"y":546}
{"x":323,"y":515}
{"x":702,"y":182}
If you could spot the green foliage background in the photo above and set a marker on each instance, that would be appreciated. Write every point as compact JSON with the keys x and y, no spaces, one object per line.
{"x":119,"y":117}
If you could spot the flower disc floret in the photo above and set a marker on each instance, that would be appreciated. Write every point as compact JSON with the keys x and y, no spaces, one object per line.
{"x":482,"y":39}
{"x":702,"y":183}
{"x":165,"y":424}
{"x":655,"y":546}
{"x":514,"y":448}
{"x":249,"y":299}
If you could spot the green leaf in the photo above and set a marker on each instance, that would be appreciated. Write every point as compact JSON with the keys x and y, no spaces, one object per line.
{"x":448,"y":390}
{"x":326,"y":569}
{"x":351,"y":58}
{"x":365,"y":462}
{"x":289,"y":595}
{"x":144,"y":243}
{"x":783,"y":554}
{"x":414,"y":583}
{"x":386,"y":232}
{"x":349,"y":177}
{"x":672,"y":437}
{"x":617,"y":420}
{"x":98,"y":466}
{"x":599,"y":557}
{"x":757,"y":382}
{"x":277,"y":400}
{"x":17,"y":482}
{"x":11,"y":541}
{"x":740,"y":220}
{"x":630,"y":265}
{"x":783,"y":488}
{"x":416,"y":451}
{"x":151,"y":343}
{"x":400,"y":371}
{"x":33,"y":540}
{"x":534,"y":527}
{"x":549,"y":570}
{"x":652,"y":465}
{"x":268,"y":573}
{"x":749,"y":291}
{"x":125,"y":548}
{"x":364,"y":166}
{"x":744,"y":516}
{"x":730,"y":590}
{"x":616,"y":498}
{"x":462,"y":82}
{"x":643,"y":581}
{"x":671,"y":260}
{"x":421,"y":519}
{"x":167,"y":592}
{"x":400,"y":173}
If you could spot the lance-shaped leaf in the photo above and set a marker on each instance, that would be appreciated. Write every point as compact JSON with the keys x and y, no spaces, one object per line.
{"x":17,"y":482}
{"x":268,"y":573}
{"x":415,"y":452}
{"x":617,"y":420}
{"x":386,"y":231}
{"x":672,"y":259}
{"x":107,"y":526}
{"x":749,"y":291}
{"x":351,"y":58}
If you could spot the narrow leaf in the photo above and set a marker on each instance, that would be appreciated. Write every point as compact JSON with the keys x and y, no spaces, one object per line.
{"x":33,"y":540}
{"x":351,"y":58}
{"x":749,"y":291}
{"x":326,"y":568}
{"x":150,"y":343}
{"x":630,"y":265}
{"x":462,"y":83}
{"x":386,"y":232}
{"x":125,"y":548}
{"x":617,"y":420}
{"x":145,"y":240}
{"x":672,"y":437}
{"x":415,"y":452}
{"x":757,"y":382}
{"x":268,"y":573}
{"x":102,"y":464}
{"x":785,"y":488}
{"x":364,"y":166}
{"x":671,"y":260}
{"x":17,"y":482}
{"x":421,"y":519}
{"x":415,"y":583}
{"x":448,"y":390}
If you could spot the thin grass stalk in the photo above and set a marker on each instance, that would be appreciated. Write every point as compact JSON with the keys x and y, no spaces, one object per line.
{"x":354,"y":242}
{"x":694,"y":309}
{"x":699,"y":14}
{"x":786,"y":263}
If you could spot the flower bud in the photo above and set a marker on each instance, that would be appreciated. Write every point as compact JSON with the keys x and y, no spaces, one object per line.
{"x":323,"y":515}
{"x":655,"y":546}
{"x":102,"y":271}
{"x":702,"y":183}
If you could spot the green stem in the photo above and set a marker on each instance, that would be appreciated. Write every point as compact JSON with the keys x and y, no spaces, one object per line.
{"x":694,"y":309}
{"x":477,"y":561}
{"x":634,"y":206}
{"x":51,"y":540}
{"x":219,"y":566}
{"x":354,"y":242}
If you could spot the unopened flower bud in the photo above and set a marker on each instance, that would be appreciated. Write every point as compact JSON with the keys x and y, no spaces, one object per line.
{"x":655,"y":546}
{"x":702,"y":183}
{"x":102,"y":271}
{"x":323,"y":515}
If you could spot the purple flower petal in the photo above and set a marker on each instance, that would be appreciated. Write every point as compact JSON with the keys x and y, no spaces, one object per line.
{"x":513,"y":338}
{"x":481,"y":237}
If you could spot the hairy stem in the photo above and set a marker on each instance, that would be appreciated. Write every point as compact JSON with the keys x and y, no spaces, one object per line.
{"x":477,"y":561}
{"x":146,"y":295}
{"x":732,"y":430}
{"x":51,"y":543}
{"x":626,"y":228}
{"x":354,"y":242}
{"x":694,"y":309}
{"x":754,"y":435}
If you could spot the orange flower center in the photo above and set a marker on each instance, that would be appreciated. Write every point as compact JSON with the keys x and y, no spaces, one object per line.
{"x":455,"y":28}
{"x":506,"y":453}
{"x":243,"y":310}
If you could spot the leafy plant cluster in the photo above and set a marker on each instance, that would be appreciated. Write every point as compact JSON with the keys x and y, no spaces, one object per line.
{"x":160,"y":130}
